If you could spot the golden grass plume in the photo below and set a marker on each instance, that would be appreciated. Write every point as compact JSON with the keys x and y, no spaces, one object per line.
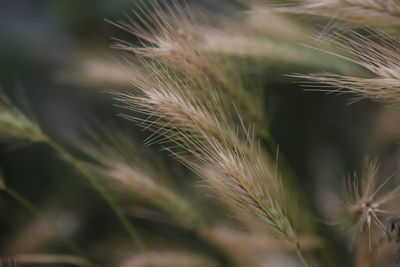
{"x":172,"y":35}
{"x":369,"y":12}
{"x":376,"y":52}
{"x":368,"y":206}
{"x":205,"y":139}
{"x":15,"y":125}
{"x":129,"y":170}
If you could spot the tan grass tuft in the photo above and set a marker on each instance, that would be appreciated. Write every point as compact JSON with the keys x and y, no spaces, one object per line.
{"x":376,"y":52}
{"x":131,"y":172}
{"x":94,"y":71}
{"x":16,"y":125}
{"x":369,"y":12}
{"x":174,"y":36}
{"x":203,"y":138}
{"x":367,"y":204}
{"x":255,"y":241}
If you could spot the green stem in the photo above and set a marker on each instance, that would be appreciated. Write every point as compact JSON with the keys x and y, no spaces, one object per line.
{"x":103,"y":192}
{"x":301,"y":257}
{"x":69,"y":243}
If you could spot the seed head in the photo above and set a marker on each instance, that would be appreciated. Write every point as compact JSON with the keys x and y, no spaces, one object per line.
{"x":367,"y":205}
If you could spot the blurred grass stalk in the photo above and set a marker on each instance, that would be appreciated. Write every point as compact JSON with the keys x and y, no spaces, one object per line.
{"x":68,"y":242}
{"x":17,"y":126}
{"x":139,"y":176}
{"x":23,"y":259}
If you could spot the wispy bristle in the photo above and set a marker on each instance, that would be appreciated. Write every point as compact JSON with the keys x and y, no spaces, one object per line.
{"x":367,"y":203}
{"x":370,"y":12}
{"x":172,"y":35}
{"x":16,"y":125}
{"x":203,"y":138}
{"x":92,"y":71}
{"x":376,"y":52}
{"x":120,"y":164}
{"x":255,"y":241}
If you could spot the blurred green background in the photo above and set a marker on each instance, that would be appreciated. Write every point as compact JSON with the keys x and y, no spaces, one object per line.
{"x":321,"y":135}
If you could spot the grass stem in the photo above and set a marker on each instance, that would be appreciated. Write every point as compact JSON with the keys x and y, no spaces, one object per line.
{"x":301,"y":257}
{"x":68,"y":242}
{"x":133,"y":234}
